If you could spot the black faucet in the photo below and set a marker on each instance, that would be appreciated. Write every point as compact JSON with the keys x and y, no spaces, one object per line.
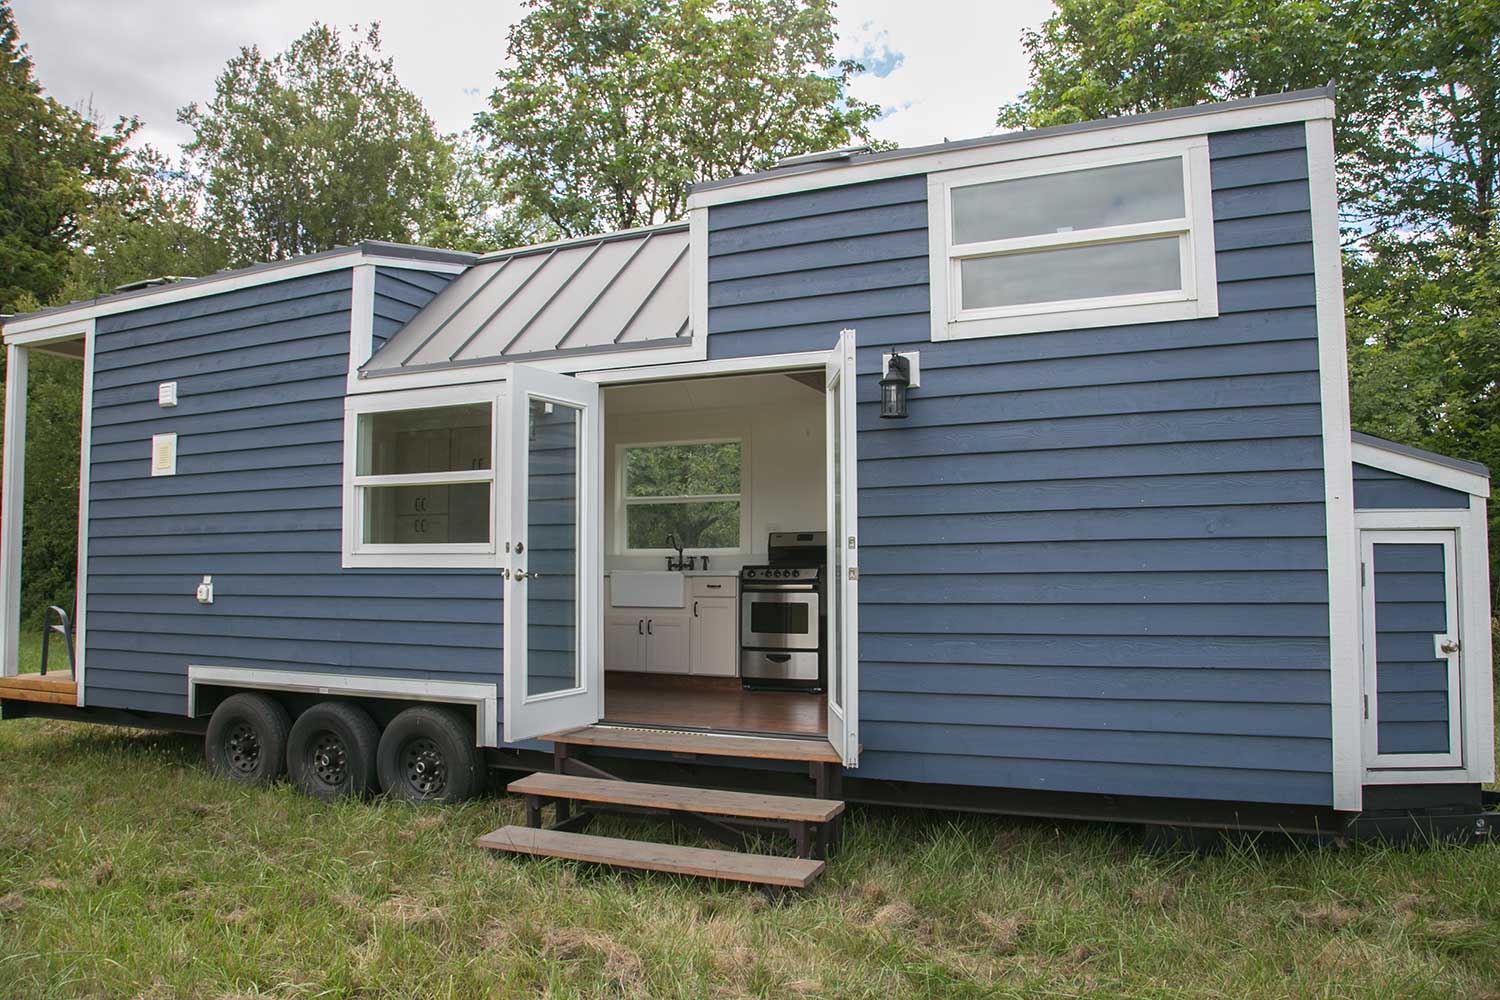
{"x":679,"y":564}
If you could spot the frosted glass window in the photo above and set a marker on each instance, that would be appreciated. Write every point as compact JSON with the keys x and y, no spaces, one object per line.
{"x":1096,"y":198}
{"x":1059,"y":275}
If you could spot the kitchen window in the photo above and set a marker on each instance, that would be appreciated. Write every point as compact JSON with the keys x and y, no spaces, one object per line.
{"x":420,"y":485}
{"x":1100,"y":238}
{"x":688,"y":490}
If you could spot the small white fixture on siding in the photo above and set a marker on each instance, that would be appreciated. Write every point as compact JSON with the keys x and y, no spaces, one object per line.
{"x":166,"y":394}
{"x":164,"y":454}
{"x":206,"y":591}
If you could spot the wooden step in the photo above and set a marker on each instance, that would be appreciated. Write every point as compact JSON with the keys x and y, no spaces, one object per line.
{"x":678,"y":798}
{"x":708,"y":744}
{"x":758,"y":869}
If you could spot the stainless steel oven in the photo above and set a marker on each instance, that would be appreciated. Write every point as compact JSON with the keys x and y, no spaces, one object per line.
{"x":779,"y":618}
{"x":781,"y":614}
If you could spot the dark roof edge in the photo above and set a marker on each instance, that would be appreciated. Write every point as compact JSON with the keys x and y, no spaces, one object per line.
{"x":1460,"y":464}
{"x":365,"y":371}
{"x":583,"y":241}
{"x":375,"y":248}
{"x":1168,"y":114}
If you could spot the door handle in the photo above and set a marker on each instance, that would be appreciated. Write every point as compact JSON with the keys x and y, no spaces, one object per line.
{"x":640,"y":626}
{"x":1449,"y":645}
{"x":648,"y":627}
{"x":521,"y":574}
{"x":695,"y":609}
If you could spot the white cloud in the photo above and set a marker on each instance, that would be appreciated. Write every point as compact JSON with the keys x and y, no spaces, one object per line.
{"x":943,"y":66}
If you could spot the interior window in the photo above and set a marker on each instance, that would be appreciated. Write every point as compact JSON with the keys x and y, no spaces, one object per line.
{"x":688,"y":491}
{"x":425,"y":477}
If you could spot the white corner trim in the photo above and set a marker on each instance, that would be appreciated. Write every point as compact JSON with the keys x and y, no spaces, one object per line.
{"x":81,"y":579}
{"x":1421,"y":469}
{"x":951,"y":158}
{"x":698,"y":280}
{"x":12,"y":477}
{"x":21,"y":329}
{"x":1346,"y":669}
{"x":361,"y":321}
{"x":484,"y":697}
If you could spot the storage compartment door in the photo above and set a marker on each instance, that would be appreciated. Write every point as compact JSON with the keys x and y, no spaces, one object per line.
{"x":843,"y":554}
{"x":554,"y":588}
{"x":1412,"y":650}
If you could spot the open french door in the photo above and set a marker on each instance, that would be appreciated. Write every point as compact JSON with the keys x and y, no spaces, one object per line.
{"x":843,"y":553}
{"x":553,"y":668}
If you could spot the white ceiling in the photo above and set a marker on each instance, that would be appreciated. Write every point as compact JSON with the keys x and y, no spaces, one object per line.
{"x":707,"y":394}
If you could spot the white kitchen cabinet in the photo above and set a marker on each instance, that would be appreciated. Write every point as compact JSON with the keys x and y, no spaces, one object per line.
{"x":715,"y":637}
{"x":701,"y":639}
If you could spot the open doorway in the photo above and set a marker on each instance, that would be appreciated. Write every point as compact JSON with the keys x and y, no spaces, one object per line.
{"x":715,"y":509}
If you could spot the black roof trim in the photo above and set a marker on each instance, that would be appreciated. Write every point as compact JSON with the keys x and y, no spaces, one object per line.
{"x":1462,"y":465}
{"x":1169,"y":114}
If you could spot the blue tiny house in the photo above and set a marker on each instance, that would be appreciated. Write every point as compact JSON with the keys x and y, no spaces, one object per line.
{"x":1122,"y":556}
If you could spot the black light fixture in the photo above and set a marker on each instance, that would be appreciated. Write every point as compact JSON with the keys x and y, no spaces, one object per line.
{"x":893,"y":386}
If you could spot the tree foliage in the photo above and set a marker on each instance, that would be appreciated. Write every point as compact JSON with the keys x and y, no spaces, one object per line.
{"x":610,"y":109}
{"x":50,"y":155}
{"x":320,"y":146}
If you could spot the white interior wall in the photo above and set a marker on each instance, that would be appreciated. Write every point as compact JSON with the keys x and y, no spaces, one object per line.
{"x":781,"y":423}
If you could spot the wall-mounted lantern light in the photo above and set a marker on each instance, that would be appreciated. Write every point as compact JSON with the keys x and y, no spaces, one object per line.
{"x":893,"y":386}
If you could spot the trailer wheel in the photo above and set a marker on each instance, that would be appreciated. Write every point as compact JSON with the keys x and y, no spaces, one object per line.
{"x":428,"y":754}
{"x":331,"y":751}
{"x":246,"y":739}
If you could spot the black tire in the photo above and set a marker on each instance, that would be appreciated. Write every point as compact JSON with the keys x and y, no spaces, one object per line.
{"x":428,"y":754}
{"x":331,"y":751}
{"x":246,"y":739}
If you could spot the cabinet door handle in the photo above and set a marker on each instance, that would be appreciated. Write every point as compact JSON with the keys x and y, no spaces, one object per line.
{"x":714,"y":586}
{"x":640,"y":626}
{"x":695,"y":609}
{"x":648,"y":627}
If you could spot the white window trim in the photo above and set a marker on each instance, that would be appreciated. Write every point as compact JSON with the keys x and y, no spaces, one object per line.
{"x":621,"y":545}
{"x":1198,"y":297}
{"x":464,"y":555}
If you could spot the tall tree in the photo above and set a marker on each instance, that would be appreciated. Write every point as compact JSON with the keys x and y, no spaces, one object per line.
{"x":316,"y":147}
{"x":610,"y":109}
{"x":50,"y":155}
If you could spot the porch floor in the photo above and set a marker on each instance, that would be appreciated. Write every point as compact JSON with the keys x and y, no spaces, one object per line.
{"x":56,"y":687}
{"x":716,"y":704}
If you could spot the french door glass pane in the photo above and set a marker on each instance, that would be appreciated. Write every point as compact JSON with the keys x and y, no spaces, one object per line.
{"x":836,"y":528}
{"x":1084,"y":272}
{"x":552,"y":527}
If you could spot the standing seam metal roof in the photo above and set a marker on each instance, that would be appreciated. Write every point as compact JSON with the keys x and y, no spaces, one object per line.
{"x":628,"y":288}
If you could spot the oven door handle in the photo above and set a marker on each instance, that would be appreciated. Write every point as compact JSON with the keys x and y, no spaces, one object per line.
{"x":778,"y":657}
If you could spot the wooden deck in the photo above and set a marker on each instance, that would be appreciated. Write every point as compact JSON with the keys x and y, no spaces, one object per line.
{"x":717,"y":704}
{"x":54,"y":688}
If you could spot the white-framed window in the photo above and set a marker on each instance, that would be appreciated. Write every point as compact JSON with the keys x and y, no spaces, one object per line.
{"x":690,"y":490}
{"x":1095,"y":238}
{"x":420,"y":486}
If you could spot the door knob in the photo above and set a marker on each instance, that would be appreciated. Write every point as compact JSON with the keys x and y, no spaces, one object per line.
{"x":521,"y":574}
{"x":1449,"y":645}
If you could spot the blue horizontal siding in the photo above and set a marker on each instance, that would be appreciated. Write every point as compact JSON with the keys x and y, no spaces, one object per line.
{"x":1091,"y":560}
{"x":1411,"y":606}
{"x":256,"y":503}
{"x":1377,"y":489}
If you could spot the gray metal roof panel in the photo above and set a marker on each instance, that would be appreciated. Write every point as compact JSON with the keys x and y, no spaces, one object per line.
{"x":572,"y":295}
{"x":1167,"y":114}
{"x":1462,"y":465}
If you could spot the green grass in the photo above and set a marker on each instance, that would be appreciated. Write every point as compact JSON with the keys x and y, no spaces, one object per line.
{"x":127,"y":871}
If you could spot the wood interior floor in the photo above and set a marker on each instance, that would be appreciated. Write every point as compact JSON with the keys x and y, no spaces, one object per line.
{"x":719,"y":704}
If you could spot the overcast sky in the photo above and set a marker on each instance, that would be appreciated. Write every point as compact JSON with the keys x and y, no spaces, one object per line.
{"x":939,"y":67}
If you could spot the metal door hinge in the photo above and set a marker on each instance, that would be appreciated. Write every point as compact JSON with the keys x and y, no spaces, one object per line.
{"x":1367,"y":706}
{"x":854,"y":572}
{"x":1362,"y":574}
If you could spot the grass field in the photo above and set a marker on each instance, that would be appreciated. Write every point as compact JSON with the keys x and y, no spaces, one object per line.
{"x":127,"y":871}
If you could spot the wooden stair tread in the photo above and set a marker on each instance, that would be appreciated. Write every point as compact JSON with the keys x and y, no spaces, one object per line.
{"x":708,"y":744}
{"x":710,"y":801}
{"x":759,"y":869}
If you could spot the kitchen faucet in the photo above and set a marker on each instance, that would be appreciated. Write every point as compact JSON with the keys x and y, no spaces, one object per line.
{"x":678,"y":564}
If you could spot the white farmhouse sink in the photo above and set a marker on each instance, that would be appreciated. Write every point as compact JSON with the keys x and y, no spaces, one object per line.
{"x":642,"y":589}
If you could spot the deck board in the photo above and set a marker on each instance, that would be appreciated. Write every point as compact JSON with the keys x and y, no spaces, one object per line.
{"x":758,"y":869}
{"x":710,"y":801}
{"x":54,"y":688}
{"x":707,"y":744}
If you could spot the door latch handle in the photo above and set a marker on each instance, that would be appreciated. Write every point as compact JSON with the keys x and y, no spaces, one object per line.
{"x":648,"y":627}
{"x":521,"y":574}
{"x":1449,"y":645}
